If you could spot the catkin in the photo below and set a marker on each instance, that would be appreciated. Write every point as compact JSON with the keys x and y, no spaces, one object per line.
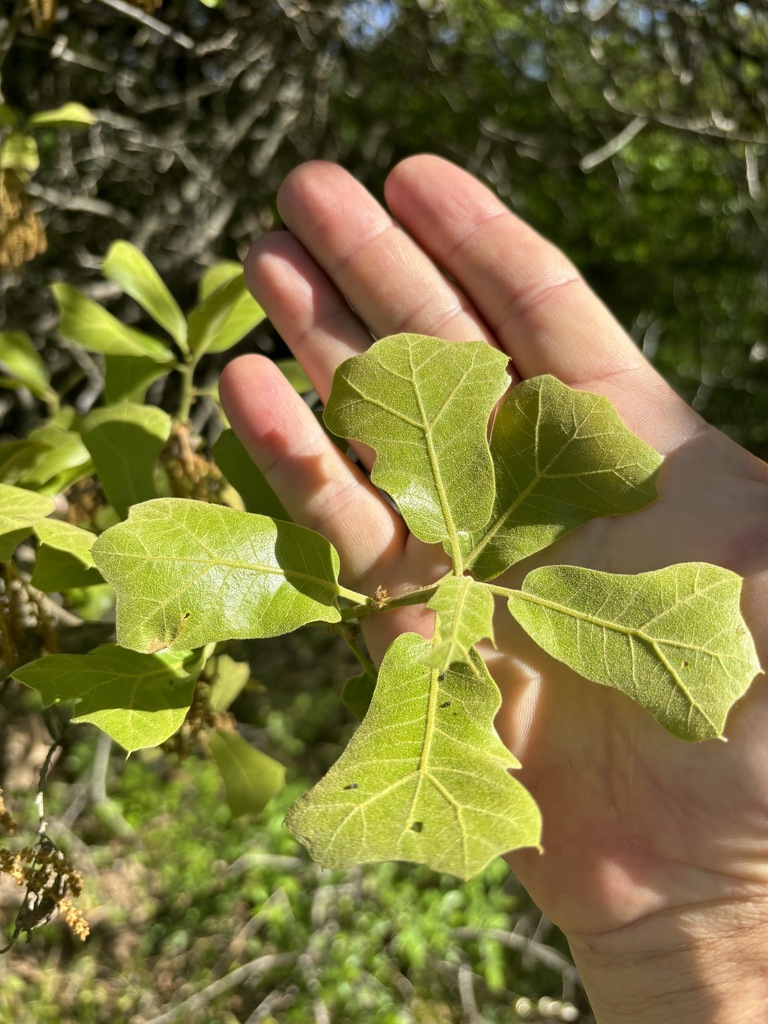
{"x":22,"y":235}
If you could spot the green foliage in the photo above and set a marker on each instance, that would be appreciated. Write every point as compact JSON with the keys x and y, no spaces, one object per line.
{"x":138,"y":699}
{"x":426,"y":778}
{"x":423,"y":406}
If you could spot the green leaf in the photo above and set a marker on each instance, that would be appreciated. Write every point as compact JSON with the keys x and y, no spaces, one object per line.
{"x":423,"y":406}
{"x":20,"y":511}
{"x":217,"y":275}
{"x":250,"y":778}
{"x":464,"y":611}
{"x":129,"y":267}
{"x":223,"y":318}
{"x":425,"y":778}
{"x":249,"y":482}
{"x":87,"y":324}
{"x":357,"y":694}
{"x":137,"y":699}
{"x":125,"y":441}
{"x":19,"y":153}
{"x":295,"y":375}
{"x":17,"y":457}
{"x":126,"y":378}
{"x":20,"y":358}
{"x":188,"y":574}
{"x":230,"y":678}
{"x":62,"y":461}
{"x":673,"y":640}
{"x":70,"y":116}
{"x":64,"y":558}
{"x":561,"y":457}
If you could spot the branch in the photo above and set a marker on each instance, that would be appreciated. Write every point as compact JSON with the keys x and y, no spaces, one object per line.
{"x":614,"y":145}
{"x":254,"y":969}
{"x":153,"y":23}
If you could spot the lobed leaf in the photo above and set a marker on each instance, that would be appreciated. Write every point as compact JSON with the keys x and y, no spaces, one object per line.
{"x":137,"y":699}
{"x":561,"y":457}
{"x":423,"y":405}
{"x":125,"y":441}
{"x":187,"y":574}
{"x":673,"y":640}
{"x":464,"y":611}
{"x":20,"y":511}
{"x":250,"y":777}
{"x":425,"y":778}
{"x":128,"y":267}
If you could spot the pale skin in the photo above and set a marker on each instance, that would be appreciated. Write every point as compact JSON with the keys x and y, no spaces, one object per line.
{"x":655,"y":861}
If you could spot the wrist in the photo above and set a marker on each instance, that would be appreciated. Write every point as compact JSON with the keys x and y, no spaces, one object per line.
{"x":694,"y":966}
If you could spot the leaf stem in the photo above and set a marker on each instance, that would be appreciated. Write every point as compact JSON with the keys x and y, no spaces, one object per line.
{"x":351,"y":595}
{"x":347,"y":633}
{"x":372,"y":606}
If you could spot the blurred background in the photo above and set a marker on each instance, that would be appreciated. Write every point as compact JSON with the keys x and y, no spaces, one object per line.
{"x":633,"y":134}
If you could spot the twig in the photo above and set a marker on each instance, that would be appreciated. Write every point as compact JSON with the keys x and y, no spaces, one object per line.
{"x":153,"y":23}
{"x":544,"y":954}
{"x":612,"y":146}
{"x":248,"y":972}
{"x":467,"y":996}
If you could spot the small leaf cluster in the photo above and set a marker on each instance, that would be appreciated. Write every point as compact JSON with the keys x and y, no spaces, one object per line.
{"x":76,"y":474}
{"x":425,"y":778}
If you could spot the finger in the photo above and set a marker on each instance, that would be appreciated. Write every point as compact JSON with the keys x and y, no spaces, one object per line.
{"x":530,"y":295}
{"x":304,"y":306}
{"x":319,"y":487}
{"x":389,"y":281}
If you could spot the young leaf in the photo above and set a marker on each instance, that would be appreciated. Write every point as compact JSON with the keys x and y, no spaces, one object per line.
{"x":20,"y":510}
{"x":137,"y":699}
{"x":63,"y":460}
{"x":19,"y":152}
{"x":249,"y":482}
{"x":357,"y":694}
{"x":217,"y":275}
{"x":465,"y":617}
{"x":70,"y":116}
{"x":673,"y":640}
{"x":129,"y":267}
{"x":17,"y":458}
{"x":21,"y":359}
{"x":224,"y":317}
{"x":561,"y":457}
{"x":294,"y":374}
{"x":87,"y":324}
{"x":423,"y":406}
{"x":126,"y":378}
{"x":64,"y":558}
{"x":250,"y":778}
{"x":187,"y":574}
{"x":425,"y":777}
{"x":230,"y":678}
{"x":125,"y":441}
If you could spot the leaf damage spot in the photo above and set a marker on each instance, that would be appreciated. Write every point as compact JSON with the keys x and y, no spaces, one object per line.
{"x":417,"y":826}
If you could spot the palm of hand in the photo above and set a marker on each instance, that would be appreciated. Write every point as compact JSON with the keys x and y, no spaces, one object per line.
{"x":636,"y":822}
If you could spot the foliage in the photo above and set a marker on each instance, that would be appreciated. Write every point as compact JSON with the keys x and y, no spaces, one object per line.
{"x":631,"y":133}
{"x":425,"y":778}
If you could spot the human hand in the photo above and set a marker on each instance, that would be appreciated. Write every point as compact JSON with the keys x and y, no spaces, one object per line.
{"x":652,"y":847}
